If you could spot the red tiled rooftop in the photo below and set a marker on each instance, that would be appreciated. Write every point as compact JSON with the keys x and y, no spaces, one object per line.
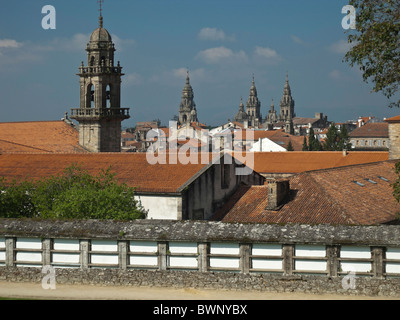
{"x":373,"y":130}
{"x":39,"y":136}
{"x":323,"y":196}
{"x":130,"y":168}
{"x":299,"y":161}
{"x":393,"y":119}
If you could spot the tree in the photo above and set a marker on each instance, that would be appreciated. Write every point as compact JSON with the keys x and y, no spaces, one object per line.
{"x":313,"y":142}
{"x":290,"y":146}
{"x":344,"y":143}
{"x":376,"y":44}
{"x":332,"y":139}
{"x":73,"y":195}
{"x":337,"y":140}
{"x":305,"y":145}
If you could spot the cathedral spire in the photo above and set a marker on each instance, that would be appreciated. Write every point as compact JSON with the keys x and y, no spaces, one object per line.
{"x":253,"y":106}
{"x":287,"y":103}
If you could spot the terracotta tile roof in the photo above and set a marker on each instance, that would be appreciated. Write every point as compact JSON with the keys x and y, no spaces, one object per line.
{"x":39,"y":136}
{"x":298,"y":161}
{"x":130,"y":168}
{"x":393,"y":119}
{"x":324,"y":196}
{"x":372,"y":130}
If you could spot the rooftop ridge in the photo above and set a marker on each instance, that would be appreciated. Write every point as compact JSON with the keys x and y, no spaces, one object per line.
{"x":346,"y":167}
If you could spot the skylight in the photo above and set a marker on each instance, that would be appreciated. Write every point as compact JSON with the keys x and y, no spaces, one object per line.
{"x":382,"y":178}
{"x":359,"y":183}
{"x":370,"y":181}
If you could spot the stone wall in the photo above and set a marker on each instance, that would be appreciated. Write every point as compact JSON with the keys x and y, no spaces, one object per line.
{"x":206,"y":255}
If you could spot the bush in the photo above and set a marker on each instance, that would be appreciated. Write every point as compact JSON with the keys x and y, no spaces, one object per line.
{"x":73,"y":195}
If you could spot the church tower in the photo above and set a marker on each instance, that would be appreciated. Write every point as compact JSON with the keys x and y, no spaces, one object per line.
{"x":253,"y":107}
{"x":241,"y":116}
{"x":187,"y":108}
{"x":272,"y":117}
{"x":287,"y":103}
{"x":100,"y":113}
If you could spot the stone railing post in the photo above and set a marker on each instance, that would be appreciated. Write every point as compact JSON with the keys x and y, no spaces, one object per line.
{"x":202,"y":259}
{"x":46,"y":252}
{"x":84,"y":258}
{"x":288,"y":261}
{"x":123,"y":255}
{"x":378,"y":267}
{"x":332,"y":253}
{"x":244,"y":262}
{"x":10,"y":254}
{"x":162,"y":255}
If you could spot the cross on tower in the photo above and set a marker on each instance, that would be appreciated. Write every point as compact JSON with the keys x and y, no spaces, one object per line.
{"x":100,"y":2}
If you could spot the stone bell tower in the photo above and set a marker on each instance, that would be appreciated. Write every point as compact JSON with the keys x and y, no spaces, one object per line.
{"x":100,"y":113}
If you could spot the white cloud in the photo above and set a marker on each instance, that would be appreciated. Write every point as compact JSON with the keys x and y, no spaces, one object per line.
{"x":221,"y":54}
{"x":9,"y":43}
{"x":297,"y":40}
{"x":266,"y":55}
{"x":340,"y":47}
{"x":132,"y":79}
{"x":121,"y":44}
{"x":214,"y":34}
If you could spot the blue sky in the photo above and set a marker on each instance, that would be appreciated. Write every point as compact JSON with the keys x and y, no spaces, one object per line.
{"x":222,"y":42}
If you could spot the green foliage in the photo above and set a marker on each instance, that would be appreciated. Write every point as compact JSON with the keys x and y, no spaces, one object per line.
{"x":73,"y":195}
{"x":376,"y":43}
{"x":336,"y":140}
{"x":305,"y":145}
{"x":15,"y":201}
{"x":313,"y":142}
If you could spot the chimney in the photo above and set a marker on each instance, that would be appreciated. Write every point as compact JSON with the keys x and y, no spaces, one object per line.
{"x":345,"y":153}
{"x":394,"y":137}
{"x":277,"y":193}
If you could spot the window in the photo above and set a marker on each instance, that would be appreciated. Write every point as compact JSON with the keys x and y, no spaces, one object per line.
{"x":383,"y":178}
{"x":359,"y":183}
{"x":370,"y":181}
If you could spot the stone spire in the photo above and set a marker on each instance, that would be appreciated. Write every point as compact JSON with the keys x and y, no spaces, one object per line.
{"x":253,"y":106}
{"x":241,"y":116}
{"x":287,"y":103}
{"x":187,"y":108}
{"x":272,"y":117}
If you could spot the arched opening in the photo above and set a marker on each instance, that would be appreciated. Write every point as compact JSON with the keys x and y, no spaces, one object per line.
{"x":108,"y":96}
{"x":90,"y":96}
{"x":92,"y":61}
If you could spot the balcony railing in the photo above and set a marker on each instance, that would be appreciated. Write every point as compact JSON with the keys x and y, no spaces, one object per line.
{"x":96,"y":113}
{"x":100,"y":69}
